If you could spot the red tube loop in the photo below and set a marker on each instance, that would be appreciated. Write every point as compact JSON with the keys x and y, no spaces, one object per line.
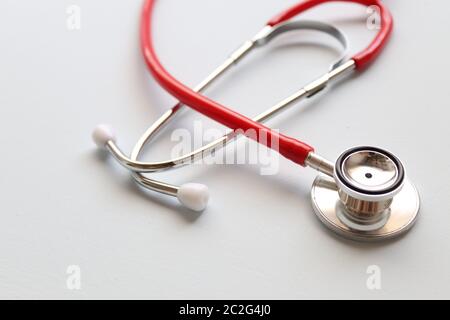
{"x":364,"y":58}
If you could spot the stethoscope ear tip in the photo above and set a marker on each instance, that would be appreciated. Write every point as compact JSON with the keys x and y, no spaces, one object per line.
{"x":102,"y":134}
{"x":194,"y":196}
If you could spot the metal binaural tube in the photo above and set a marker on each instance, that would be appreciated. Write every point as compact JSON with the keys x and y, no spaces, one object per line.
{"x":264,"y":36}
{"x":341,"y":68}
{"x":138,"y":166}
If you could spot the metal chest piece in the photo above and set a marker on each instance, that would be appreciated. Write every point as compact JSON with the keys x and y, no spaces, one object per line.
{"x":370,"y":197}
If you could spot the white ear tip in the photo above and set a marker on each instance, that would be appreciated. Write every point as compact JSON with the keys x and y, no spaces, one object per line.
{"x":102,"y":134}
{"x":194,"y":196}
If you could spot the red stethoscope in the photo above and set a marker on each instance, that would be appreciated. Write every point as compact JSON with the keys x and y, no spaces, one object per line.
{"x":364,"y":195}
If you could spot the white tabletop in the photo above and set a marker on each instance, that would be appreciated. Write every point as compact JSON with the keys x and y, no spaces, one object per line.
{"x":69,"y":210}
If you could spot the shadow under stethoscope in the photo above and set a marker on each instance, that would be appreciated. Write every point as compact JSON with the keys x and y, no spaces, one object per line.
{"x":300,"y":191}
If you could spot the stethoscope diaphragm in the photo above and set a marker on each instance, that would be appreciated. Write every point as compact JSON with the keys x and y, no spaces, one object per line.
{"x":370,"y":197}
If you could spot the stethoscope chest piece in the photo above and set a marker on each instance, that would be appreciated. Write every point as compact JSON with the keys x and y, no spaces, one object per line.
{"x":369,"y":198}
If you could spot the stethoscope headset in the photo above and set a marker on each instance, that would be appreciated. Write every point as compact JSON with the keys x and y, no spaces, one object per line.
{"x":364,"y":195}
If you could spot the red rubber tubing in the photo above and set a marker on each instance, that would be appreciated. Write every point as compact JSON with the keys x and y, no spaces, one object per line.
{"x":364,"y":58}
{"x":290,"y":148}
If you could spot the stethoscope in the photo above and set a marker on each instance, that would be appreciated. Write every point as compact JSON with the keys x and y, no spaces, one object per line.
{"x":364,"y":195}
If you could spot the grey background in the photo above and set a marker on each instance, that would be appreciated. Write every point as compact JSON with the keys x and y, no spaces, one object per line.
{"x":63,"y":203}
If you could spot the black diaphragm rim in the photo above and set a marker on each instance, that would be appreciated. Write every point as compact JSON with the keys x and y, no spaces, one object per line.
{"x":340,"y":176}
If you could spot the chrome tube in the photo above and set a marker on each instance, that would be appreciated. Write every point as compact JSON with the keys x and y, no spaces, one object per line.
{"x":263,"y":37}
